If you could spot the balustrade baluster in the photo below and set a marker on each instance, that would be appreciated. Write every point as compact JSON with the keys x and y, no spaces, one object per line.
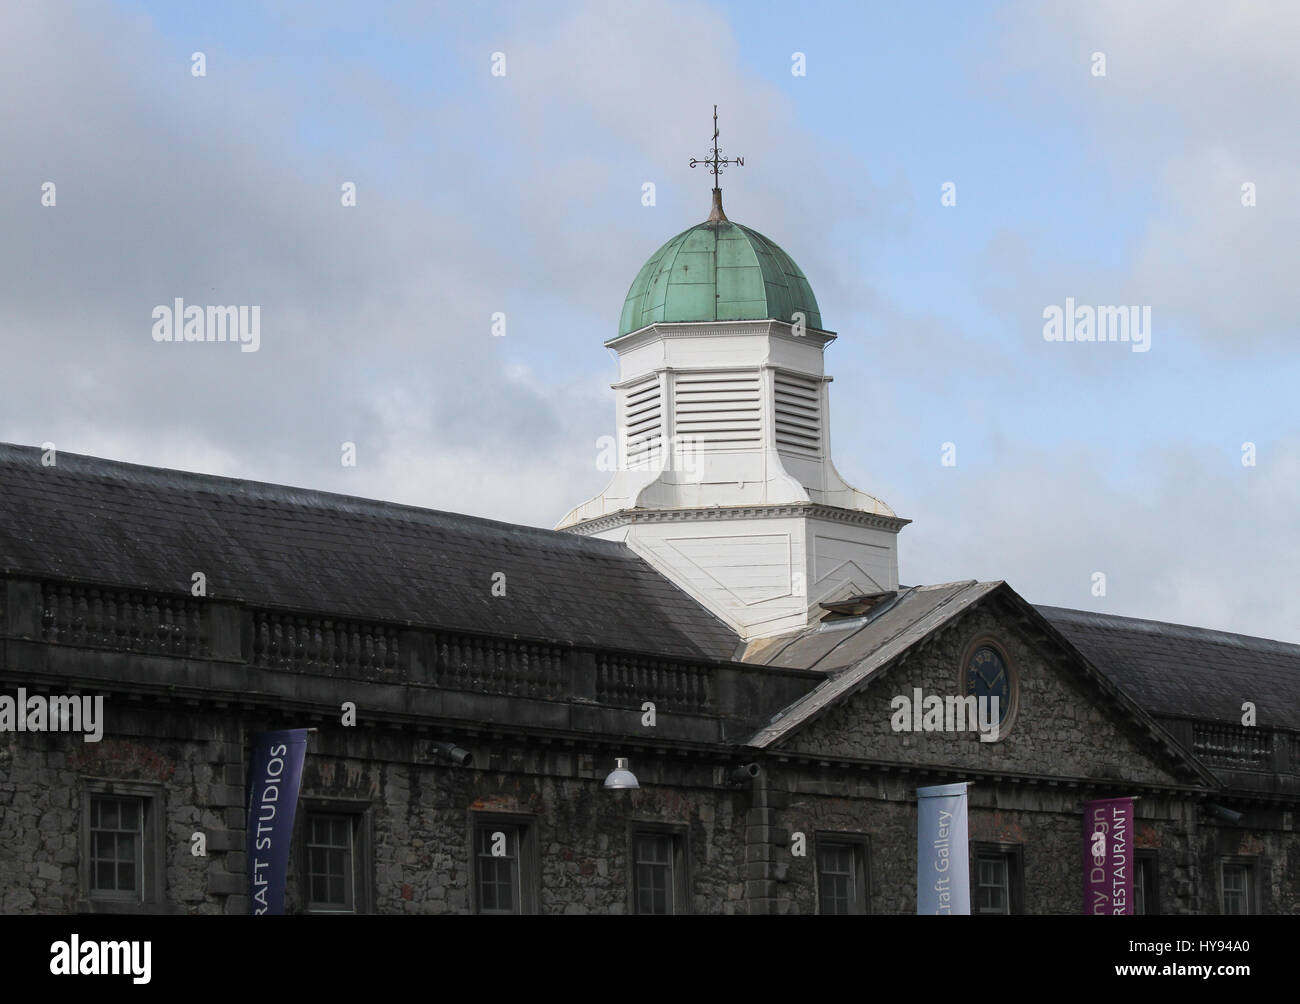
{"x":354,"y":646}
{"x":260,"y":638}
{"x":314,"y":642}
{"x":329,"y":654}
{"x":82,"y":615}
{"x":94,"y":616}
{"x":112,"y":621}
{"x":48,"y":601}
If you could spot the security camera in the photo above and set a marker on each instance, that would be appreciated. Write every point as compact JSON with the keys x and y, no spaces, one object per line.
{"x":452,"y":752}
{"x":745,"y":773}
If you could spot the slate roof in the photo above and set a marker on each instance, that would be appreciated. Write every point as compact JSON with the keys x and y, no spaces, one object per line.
{"x":1177,"y":671}
{"x":110,"y":523}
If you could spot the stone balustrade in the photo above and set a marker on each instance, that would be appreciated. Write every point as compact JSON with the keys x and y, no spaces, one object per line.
{"x":1235,"y":746}
{"x":138,"y":621}
{"x":124,"y":620}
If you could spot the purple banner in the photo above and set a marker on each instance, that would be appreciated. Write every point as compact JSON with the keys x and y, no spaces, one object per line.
{"x":273,"y":779}
{"x":1108,"y":857}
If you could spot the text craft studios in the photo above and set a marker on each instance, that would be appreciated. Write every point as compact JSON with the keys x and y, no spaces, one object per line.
{"x":726,"y":617}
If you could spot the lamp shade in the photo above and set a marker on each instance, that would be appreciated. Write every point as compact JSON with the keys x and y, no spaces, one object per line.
{"x":620,"y":776}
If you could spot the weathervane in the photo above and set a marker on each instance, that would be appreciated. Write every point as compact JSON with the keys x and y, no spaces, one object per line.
{"x":714,"y":160}
{"x":716,"y":163}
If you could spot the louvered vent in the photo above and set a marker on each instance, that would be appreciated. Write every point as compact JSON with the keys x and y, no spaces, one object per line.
{"x":719,"y":409}
{"x":798,"y":415}
{"x":643,"y":415}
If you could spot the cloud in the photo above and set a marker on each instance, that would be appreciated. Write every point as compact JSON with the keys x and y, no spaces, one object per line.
{"x":1075,"y":459}
{"x":1197,"y":543}
{"x":225,"y":190}
{"x":522,"y":195}
{"x":1191,"y":106}
{"x":174,"y":186}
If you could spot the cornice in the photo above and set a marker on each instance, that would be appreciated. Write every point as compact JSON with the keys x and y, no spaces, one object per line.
{"x":815,"y":510}
{"x":714,"y":329}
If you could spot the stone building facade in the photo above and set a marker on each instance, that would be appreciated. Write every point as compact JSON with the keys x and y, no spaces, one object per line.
{"x":727,"y":615}
{"x":759,"y":750}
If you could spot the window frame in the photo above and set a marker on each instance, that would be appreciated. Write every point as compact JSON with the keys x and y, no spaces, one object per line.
{"x":859,"y":845}
{"x":1015,"y":858}
{"x":152,"y":864}
{"x":1251,"y":887}
{"x":679,"y":835}
{"x":361,"y":817}
{"x":528,"y":873}
{"x":1151,"y":905}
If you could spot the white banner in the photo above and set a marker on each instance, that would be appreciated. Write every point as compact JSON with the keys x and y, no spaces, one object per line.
{"x":942,"y":868}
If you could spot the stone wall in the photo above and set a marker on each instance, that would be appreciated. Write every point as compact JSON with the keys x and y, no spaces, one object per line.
{"x":196,"y":768}
{"x":424,"y":814}
{"x":419,"y":813}
{"x":419,"y":816}
{"x":1047,"y":823}
{"x":420,"y":819}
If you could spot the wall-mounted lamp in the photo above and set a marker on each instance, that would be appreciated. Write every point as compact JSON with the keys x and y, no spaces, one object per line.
{"x":620,"y":776}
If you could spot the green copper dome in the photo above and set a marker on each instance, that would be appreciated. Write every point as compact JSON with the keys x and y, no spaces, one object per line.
{"x":718,"y":271}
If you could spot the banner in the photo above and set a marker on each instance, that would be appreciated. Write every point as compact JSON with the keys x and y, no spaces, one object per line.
{"x":1108,"y":857}
{"x":942,"y":867}
{"x":273,"y":779}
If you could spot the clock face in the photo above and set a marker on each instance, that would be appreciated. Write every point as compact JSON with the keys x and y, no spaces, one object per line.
{"x":986,"y":674}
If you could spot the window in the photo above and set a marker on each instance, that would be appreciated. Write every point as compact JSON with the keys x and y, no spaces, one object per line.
{"x":993,"y":886}
{"x":841,"y":874}
{"x":498,"y":870}
{"x":505,"y":870}
{"x":117,"y":847}
{"x":658,"y":872}
{"x":121,"y":864}
{"x":1146,"y":899}
{"x":654,"y":873}
{"x":996,"y":879}
{"x":1237,"y":881}
{"x":332,"y":858}
{"x":330,"y":876}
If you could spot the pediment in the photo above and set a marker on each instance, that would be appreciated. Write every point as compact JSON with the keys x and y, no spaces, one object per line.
{"x":1066,"y":719}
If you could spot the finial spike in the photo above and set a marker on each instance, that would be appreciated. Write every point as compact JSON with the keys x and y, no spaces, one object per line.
{"x":716,"y":215}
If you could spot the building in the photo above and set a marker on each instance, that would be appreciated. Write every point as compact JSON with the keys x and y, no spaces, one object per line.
{"x":727,"y":615}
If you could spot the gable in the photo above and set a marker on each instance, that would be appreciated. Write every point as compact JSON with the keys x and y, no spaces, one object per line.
{"x":1067,"y":723}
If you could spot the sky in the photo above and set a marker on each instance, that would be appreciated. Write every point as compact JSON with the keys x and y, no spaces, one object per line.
{"x":521,"y":194}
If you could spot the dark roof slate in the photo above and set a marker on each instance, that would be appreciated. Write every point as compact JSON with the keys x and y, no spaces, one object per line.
{"x":111,"y":523}
{"x":1178,"y":671}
